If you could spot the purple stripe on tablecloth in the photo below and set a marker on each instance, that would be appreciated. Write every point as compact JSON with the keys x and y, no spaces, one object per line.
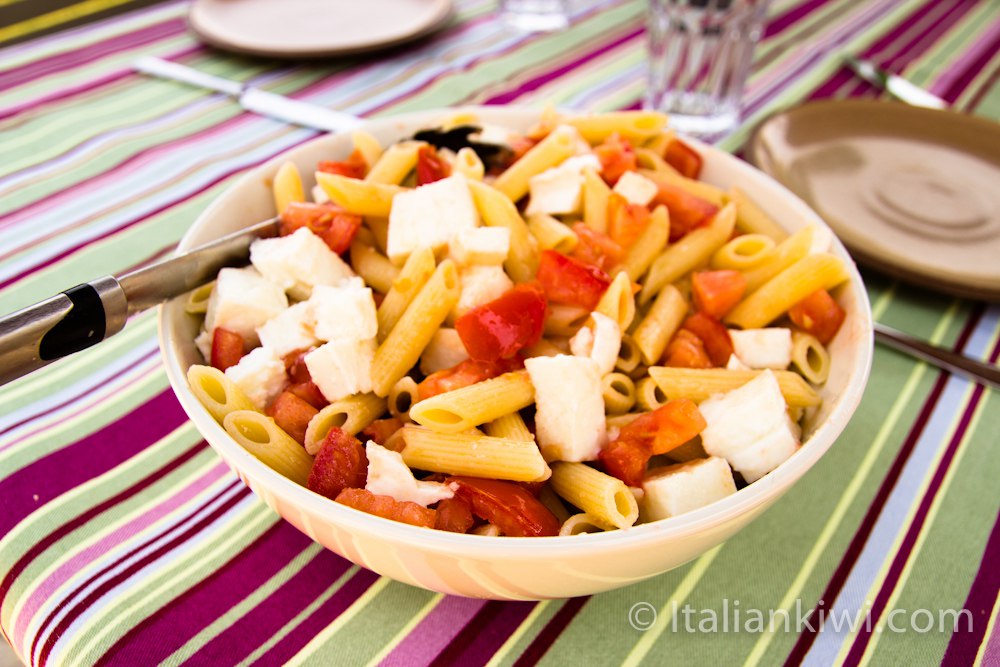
{"x":836,"y":582}
{"x":902,"y":555}
{"x":550,"y":633}
{"x":434,"y":632}
{"x":779,"y":24}
{"x":906,"y":53}
{"x":482,"y":636}
{"x":68,"y":568}
{"x":986,"y":48}
{"x":70,"y":59}
{"x":535,"y":83}
{"x":959,"y":65}
{"x":984,"y":90}
{"x":965,"y":641}
{"x":54,"y":474}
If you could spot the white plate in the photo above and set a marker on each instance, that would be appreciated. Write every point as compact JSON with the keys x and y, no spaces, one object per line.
{"x":314,"y":28}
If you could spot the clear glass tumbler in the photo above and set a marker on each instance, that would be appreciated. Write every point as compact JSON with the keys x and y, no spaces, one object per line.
{"x":535,"y":15}
{"x":700,"y":53}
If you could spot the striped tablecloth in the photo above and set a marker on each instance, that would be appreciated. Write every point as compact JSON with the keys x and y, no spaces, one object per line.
{"x":124,"y":540}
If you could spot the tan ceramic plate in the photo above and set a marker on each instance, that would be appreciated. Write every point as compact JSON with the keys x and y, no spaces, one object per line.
{"x":314,"y":28}
{"x":912,"y":192}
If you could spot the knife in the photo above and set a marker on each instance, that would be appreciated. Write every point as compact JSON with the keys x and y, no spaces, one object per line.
{"x":896,"y":86}
{"x":253,"y":99}
{"x":85,"y":315}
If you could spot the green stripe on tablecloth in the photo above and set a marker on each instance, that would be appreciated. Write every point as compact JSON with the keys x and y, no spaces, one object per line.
{"x":521,"y":638}
{"x":940,"y":57}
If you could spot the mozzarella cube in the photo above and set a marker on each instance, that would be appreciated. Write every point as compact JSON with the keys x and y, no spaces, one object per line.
{"x":298,"y":262}
{"x":734,"y":364}
{"x":763,"y":348}
{"x":242,"y":301}
{"x":480,"y":284}
{"x":821,"y":241}
{"x":559,"y":190}
{"x":260,"y":375}
{"x":636,"y":188}
{"x":444,"y":351}
{"x":346,"y":311}
{"x":319,"y":195}
{"x":600,"y":343}
{"x":430,"y":215}
{"x":342,"y":367}
{"x":498,"y":135}
{"x":569,"y":416}
{"x":482,"y":245}
{"x":749,"y":427}
{"x":389,"y":476}
{"x":290,"y":330}
{"x":204,"y":344}
{"x":680,"y":488}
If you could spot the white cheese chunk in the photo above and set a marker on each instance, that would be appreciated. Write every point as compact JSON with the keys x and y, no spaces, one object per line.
{"x":242,"y":301}
{"x":677,"y":489}
{"x":763,"y":348}
{"x":636,"y":188}
{"x":290,"y":330}
{"x":204,"y":344}
{"x":601,"y":343}
{"x":298,"y":262}
{"x":482,"y":245}
{"x":444,"y":351}
{"x":319,"y":195}
{"x":342,"y":367}
{"x":430,"y":215}
{"x":734,"y":364}
{"x":749,"y":427}
{"x":261,"y":375}
{"x":559,"y":190}
{"x":822,"y":240}
{"x":389,"y":476}
{"x":569,"y":417}
{"x":480,"y":284}
{"x":346,"y":311}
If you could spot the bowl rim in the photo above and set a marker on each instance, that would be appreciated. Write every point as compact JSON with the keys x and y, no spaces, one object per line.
{"x":760,"y":493}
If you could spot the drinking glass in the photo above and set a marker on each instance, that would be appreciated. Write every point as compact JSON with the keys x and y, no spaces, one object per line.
{"x":535,"y":15}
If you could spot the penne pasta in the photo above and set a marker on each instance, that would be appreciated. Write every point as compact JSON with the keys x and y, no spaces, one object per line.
{"x":563,"y":320}
{"x":549,"y":152}
{"x":618,"y":301}
{"x":650,"y":159}
{"x":783,"y":255}
{"x":650,"y":244}
{"x":499,"y":211}
{"x":374,"y":267}
{"x":810,"y":357}
{"x":216,"y":392}
{"x":659,"y":143}
{"x":700,"y":383}
{"x":618,"y":391}
{"x":582,"y":523}
{"x":260,"y":436}
{"x":367,"y":145}
{"x":636,"y":126}
{"x":617,"y":421}
{"x":595,"y":200}
{"x":357,"y":196}
{"x":629,"y":355}
{"x":379,"y":228}
{"x":648,"y":396}
{"x":197,"y":300}
{"x":660,"y":324}
{"x":699,"y":189}
{"x":553,"y":503}
{"x":602,"y":496}
{"x":510,"y":426}
{"x":287,"y":187}
{"x":469,"y":165}
{"x":552,"y":234}
{"x":752,"y":220}
{"x":468,"y":407}
{"x":351,"y":414}
{"x":394,"y":164}
{"x":473,"y":454}
{"x":402,"y":397}
{"x":417,"y":270}
{"x":744,"y":252}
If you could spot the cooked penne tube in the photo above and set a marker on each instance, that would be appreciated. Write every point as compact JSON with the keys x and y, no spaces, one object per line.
{"x":751,"y":219}
{"x":395,"y":163}
{"x":473,"y":454}
{"x":367,"y":145}
{"x":197,"y":300}
{"x":699,"y":189}
{"x":351,"y":414}
{"x":648,"y":396}
{"x":402,"y":348}
{"x":783,"y":255}
{"x":810,"y":357}
{"x":509,"y":426}
{"x":619,"y":393}
{"x":617,"y":421}
{"x":379,"y":228}
{"x":487,"y":530}
{"x":641,"y":254}
{"x":690,"y":252}
{"x":744,"y":252}
{"x":260,"y":436}
{"x":469,"y":165}
{"x":374,"y":267}
{"x":552,"y":234}
{"x":563,"y":320}
{"x":618,"y":301}
{"x":412,"y":277}
{"x":629,"y":355}
{"x":468,"y":407}
{"x":357,"y":196}
{"x":553,"y":502}
{"x":595,"y":200}
{"x":550,"y":151}
{"x":499,"y":211}
{"x":402,"y":397}
{"x":649,"y":159}
{"x":216,"y":392}
{"x":637,"y":126}
{"x":287,"y":187}
{"x":581,"y":523}
{"x":659,"y":143}
{"x":660,"y":324}
{"x":602,"y":496}
{"x":700,"y":383}
{"x":776,"y":296}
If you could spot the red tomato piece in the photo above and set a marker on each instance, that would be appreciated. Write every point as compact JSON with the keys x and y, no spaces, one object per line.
{"x":717,"y":292}
{"x":683,"y":158}
{"x":310,"y":393}
{"x":465,"y":373}
{"x":328,"y":221}
{"x":430,"y":166}
{"x":626,"y":221}
{"x":355,"y":166}
{"x":570,"y":281}
{"x":381,"y":430}
{"x":616,"y":156}
{"x":819,"y":315}
{"x":295,"y":366}
{"x":595,"y":248}
{"x":340,"y":463}
{"x":686,"y":350}
{"x":713,"y":335}
{"x":292,"y":415}
{"x":454,"y":515}
{"x":687,"y":212}
{"x":227,"y":348}
{"x":502,"y":327}
{"x":509,"y":506}
{"x":677,"y":422}
{"x":387,"y":507}
{"x":625,"y":459}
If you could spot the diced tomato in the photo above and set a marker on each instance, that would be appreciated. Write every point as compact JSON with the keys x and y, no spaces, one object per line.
{"x":355,"y":166}
{"x":387,"y":507}
{"x":227,"y":348}
{"x":454,"y":515}
{"x":616,"y":156}
{"x":381,"y":430}
{"x":570,"y":281}
{"x":683,"y":158}
{"x":430,"y":166}
{"x":687,"y":212}
{"x":340,"y":463}
{"x":310,"y":393}
{"x":686,"y":350}
{"x":510,"y":507}
{"x":465,"y":373}
{"x":819,"y":315}
{"x":625,"y":459}
{"x":626,"y":221}
{"x":713,"y":335}
{"x":716,"y":292}
{"x":292,"y":415}
{"x":502,"y":327}
{"x":328,"y":221}
{"x":295,"y":366}
{"x":677,"y":422}
{"x":595,"y":248}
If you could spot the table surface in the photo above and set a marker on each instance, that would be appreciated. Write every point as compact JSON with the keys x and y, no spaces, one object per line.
{"x":125,"y":540}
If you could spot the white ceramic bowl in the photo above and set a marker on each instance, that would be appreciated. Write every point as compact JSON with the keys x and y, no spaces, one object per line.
{"x":517,"y":568}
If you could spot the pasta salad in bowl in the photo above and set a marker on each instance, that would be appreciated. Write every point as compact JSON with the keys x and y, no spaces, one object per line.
{"x":515,"y":354}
